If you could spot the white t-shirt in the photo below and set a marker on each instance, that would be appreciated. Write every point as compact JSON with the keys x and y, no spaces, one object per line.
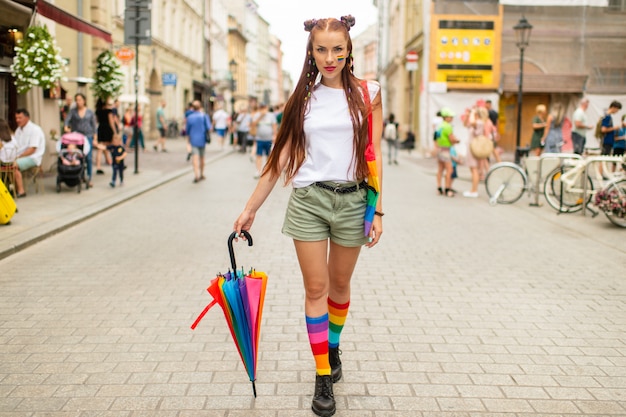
{"x":31,"y":136}
{"x":220,"y":119}
{"x":329,"y":137}
{"x":8,"y":152}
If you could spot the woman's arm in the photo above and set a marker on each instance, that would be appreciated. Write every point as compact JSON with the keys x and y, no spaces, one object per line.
{"x":547,"y":130}
{"x":538,"y":125}
{"x":112,"y":122}
{"x":263,"y":189}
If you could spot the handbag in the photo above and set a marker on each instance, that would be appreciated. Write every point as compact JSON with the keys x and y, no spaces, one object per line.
{"x":253,"y":127}
{"x":481,"y":147}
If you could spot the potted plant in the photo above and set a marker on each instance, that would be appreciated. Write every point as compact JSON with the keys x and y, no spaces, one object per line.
{"x":37,"y":60}
{"x":108,"y":76}
{"x":612,"y":202}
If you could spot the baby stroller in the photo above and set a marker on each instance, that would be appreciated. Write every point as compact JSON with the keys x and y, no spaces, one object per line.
{"x":72,"y":148}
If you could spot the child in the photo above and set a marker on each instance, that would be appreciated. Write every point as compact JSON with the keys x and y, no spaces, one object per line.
{"x":118,"y":153}
{"x":71,"y":155}
{"x":456,"y":160}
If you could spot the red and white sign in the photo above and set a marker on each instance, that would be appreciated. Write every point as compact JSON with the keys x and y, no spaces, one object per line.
{"x":411,"y":61}
{"x":125,"y":54}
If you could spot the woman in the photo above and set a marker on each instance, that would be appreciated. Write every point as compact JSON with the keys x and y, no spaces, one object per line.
{"x":320,"y":149}
{"x":444,"y":142}
{"x":8,"y":146}
{"x":552,"y":138}
{"x":266,"y":133}
{"x":539,"y":126}
{"x":479,"y":124}
{"x":107,"y":127}
{"x":139,"y":119}
{"x":82,"y":120}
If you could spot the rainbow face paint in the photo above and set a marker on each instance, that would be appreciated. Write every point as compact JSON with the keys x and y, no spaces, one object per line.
{"x":340,"y":57}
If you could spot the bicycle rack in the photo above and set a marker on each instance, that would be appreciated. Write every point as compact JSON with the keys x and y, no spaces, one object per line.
{"x":592,"y":160}
{"x":542,"y":160}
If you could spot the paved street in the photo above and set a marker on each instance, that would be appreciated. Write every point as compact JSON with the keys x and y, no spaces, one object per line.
{"x":462,"y":310}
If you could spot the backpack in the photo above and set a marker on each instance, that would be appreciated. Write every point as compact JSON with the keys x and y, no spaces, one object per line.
{"x":598,"y":134}
{"x":390,"y":132}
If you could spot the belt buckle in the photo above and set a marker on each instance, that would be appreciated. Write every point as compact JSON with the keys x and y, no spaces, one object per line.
{"x":336,"y":189}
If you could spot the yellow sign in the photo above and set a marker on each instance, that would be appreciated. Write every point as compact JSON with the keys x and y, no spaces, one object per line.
{"x":466,"y":51}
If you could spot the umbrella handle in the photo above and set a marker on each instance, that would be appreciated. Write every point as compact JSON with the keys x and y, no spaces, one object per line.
{"x":231,"y":251}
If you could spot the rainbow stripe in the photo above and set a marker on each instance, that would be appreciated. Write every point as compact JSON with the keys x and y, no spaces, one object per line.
{"x":337,"y":314}
{"x":317,"y":327}
{"x":340,"y":57}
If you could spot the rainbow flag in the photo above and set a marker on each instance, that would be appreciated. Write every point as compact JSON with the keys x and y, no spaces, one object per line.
{"x":373,"y":184}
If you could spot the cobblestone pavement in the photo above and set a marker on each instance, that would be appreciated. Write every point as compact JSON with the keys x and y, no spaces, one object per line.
{"x":462,"y":310}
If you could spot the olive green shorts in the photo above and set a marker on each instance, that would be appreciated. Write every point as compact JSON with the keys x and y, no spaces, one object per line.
{"x":314,"y":214}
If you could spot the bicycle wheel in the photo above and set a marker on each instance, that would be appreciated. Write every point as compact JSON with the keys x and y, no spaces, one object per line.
{"x":505,"y":183}
{"x":620,"y":187}
{"x":566,"y":199}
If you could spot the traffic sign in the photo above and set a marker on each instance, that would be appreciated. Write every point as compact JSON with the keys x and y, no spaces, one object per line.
{"x":411,"y":61}
{"x":125,"y":54}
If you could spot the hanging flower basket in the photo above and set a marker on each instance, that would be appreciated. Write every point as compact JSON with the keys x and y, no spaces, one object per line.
{"x":37,"y":60}
{"x":612,"y":202}
{"x":108,"y":76}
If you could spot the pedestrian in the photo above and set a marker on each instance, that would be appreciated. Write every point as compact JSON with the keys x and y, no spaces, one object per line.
{"x":444,"y":161}
{"x":552,"y":139}
{"x":493,"y":115}
{"x":198,"y":124}
{"x":107,"y":127}
{"x":127,"y":129}
{"x":220,"y":124}
{"x":118,"y":153}
{"x":619,"y":145}
{"x":265,"y":136}
{"x":608,"y":130}
{"x":243,"y":128}
{"x":31,"y":147}
{"x":390,"y":133}
{"x":320,"y":148}
{"x":479,"y":124}
{"x":581,"y":126}
{"x":539,"y":127}
{"x":82,"y":120}
{"x":161,"y":126}
{"x":188,"y":111}
{"x":137,"y":139}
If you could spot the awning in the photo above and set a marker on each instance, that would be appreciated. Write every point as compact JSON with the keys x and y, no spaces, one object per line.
{"x":545,"y":83}
{"x":74,"y":22}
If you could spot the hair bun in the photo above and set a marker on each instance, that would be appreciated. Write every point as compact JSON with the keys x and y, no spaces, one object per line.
{"x":348,"y":20}
{"x":310,"y":24}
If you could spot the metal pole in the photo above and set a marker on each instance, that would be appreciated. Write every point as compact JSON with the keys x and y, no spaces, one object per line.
{"x":519,"y":105}
{"x":136,"y":124}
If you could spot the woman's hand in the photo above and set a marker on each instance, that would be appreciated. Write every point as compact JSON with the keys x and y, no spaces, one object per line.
{"x":244,"y":222}
{"x":376,"y":232}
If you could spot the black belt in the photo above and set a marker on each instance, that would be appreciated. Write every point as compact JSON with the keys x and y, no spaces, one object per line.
{"x":339,"y":189}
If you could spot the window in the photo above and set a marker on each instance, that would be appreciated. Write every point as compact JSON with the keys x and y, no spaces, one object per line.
{"x":617,"y":5}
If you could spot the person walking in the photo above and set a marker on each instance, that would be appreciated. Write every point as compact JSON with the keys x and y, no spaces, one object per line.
{"x":479,"y":124}
{"x":118,"y":153}
{"x":266,"y":133}
{"x":220,"y":124}
{"x":138,"y":139}
{"x":552,"y":139}
{"x":243,"y":128}
{"x":390,"y":133}
{"x":320,"y":149}
{"x":581,"y":126}
{"x":82,"y":120}
{"x":107,"y":127}
{"x":198,"y":123}
{"x":161,"y":126}
{"x":539,"y":127}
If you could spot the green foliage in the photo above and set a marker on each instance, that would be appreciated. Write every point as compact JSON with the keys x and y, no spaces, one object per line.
{"x":108,"y":76}
{"x":37,"y":60}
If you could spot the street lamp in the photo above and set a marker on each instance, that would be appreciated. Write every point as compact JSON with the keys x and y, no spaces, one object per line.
{"x":522,"y":37}
{"x":232,"y":65}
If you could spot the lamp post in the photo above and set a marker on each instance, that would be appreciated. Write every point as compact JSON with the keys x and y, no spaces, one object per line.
{"x":232,"y":66}
{"x":522,"y":37}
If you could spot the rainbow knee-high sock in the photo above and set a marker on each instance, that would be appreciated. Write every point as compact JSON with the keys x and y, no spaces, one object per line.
{"x":337,"y":314}
{"x":317,"y":327}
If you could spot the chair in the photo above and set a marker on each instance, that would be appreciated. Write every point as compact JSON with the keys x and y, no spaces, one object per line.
{"x":33,"y":176}
{"x":7,"y":176}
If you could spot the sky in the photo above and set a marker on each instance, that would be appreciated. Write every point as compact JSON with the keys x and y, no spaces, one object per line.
{"x":286,"y":19}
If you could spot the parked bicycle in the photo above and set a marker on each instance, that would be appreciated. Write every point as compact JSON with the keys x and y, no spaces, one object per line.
{"x":506,"y":182}
{"x":570,"y":187}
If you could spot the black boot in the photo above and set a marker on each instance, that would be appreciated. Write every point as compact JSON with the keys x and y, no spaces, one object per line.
{"x":335,"y":363}
{"x":323,"y":400}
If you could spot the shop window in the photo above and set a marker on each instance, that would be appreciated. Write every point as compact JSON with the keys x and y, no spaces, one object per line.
{"x":8,"y":38}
